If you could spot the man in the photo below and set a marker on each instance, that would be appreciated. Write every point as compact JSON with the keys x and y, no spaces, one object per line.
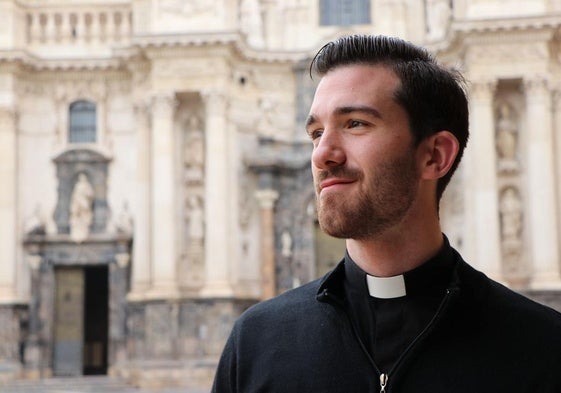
{"x":402,"y":312}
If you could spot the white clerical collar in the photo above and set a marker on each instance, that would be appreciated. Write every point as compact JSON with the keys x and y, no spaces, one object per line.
{"x":386,"y":287}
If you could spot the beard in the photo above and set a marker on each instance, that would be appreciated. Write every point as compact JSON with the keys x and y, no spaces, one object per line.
{"x":381,"y":201}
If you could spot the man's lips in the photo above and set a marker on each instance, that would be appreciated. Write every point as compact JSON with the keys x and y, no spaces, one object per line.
{"x":334,"y":182}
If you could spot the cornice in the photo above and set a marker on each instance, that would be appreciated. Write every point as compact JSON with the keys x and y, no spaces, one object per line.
{"x":226,"y":38}
{"x":30,"y":61}
{"x":493,"y":25}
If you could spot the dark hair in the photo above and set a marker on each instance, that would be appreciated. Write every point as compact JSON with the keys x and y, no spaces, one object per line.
{"x":433,"y":96}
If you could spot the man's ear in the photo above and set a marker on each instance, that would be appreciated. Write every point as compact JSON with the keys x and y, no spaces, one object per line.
{"x":437,"y":154}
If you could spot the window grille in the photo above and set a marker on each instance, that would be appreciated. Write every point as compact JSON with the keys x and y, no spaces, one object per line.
{"x":82,"y":122}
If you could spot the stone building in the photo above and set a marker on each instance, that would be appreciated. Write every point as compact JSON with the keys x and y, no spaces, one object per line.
{"x":154,"y":170}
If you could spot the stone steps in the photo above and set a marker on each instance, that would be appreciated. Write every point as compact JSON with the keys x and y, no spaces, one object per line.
{"x":84,"y":384}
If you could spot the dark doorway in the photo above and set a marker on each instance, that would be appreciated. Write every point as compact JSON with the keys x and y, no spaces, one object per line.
{"x":96,"y":319}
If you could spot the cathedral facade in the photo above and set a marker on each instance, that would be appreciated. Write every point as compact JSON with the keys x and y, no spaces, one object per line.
{"x":154,"y":168}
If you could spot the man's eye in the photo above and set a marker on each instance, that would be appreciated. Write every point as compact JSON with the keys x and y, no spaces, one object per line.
{"x":355,"y":123}
{"x":316,"y":134}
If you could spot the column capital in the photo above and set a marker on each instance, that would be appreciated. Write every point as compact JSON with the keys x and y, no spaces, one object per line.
{"x":214,"y":99}
{"x":482,"y":89}
{"x":164,"y":102}
{"x":8,"y":117}
{"x":536,"y":85}
{"x":266,"y":198}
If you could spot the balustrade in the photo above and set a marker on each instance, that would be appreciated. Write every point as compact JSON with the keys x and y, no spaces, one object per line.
{"x":46,"y":26}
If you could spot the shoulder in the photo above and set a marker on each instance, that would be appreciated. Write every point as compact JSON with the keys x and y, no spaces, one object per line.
{"x":506,"y":308}
{"x":292,"y":304}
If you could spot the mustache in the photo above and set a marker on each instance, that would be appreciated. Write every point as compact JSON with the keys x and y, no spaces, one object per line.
{"x":341,"y":172}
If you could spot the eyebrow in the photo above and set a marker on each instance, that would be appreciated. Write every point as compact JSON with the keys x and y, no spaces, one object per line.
{"x":345,"y":110}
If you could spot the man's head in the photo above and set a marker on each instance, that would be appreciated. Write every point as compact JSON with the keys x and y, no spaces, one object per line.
{"x":431,"y":95}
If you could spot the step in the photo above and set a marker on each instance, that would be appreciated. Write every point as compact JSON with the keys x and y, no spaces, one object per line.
{"x":67,"y":384}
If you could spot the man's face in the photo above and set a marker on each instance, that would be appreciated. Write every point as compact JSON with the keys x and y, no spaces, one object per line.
{"x":363,"y":162}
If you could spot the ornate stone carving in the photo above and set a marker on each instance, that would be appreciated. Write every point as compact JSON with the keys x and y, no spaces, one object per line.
{"x":81,"y":209}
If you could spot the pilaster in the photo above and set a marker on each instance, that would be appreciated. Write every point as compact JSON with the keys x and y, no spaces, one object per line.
{"x":266,"y":199}
{"x":541,"y":183}
{"x":163,"y":209}
{"x":141,"y":268}
{"x":8,"y":205}
{"x":484,"y":202}
{"x":217,"y":240}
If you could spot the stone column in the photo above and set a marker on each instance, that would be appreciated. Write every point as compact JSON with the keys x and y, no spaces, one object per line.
{"x":267,"y":199}
{"x":483,"y":181}
{"x":541,"y":185}
{"x":163,"y":210}
{"x":141,"y":269}
{"x":217,"y":240}
{"x":8,"y":205}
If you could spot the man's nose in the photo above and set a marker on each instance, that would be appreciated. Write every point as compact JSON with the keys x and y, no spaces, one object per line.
{"x":328,"y":151}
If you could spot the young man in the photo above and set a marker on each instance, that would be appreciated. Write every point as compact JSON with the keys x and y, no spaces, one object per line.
{"x":402,"y":312}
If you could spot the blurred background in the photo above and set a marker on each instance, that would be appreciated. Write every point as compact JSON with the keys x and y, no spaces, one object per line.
{"x":154,"y":168}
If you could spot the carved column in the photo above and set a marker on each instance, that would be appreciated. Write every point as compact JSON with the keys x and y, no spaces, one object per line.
{"x":163,"y":209}
{"x":483,"y":198}
{"x":267,"y":199}
{"x":141,"y":268}
{"x":8,"y":204}
{"x":217,"y":218}
{"x":541,"y":185}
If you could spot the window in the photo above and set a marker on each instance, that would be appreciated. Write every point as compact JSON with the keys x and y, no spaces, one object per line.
{"x":344,"y":12}
{"x":82,"y":122}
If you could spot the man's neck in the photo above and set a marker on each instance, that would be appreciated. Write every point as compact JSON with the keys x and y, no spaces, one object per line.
{"x":392,"y":254}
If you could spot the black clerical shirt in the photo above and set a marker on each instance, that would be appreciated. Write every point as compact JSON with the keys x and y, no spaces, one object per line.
{"x":388,"y":326}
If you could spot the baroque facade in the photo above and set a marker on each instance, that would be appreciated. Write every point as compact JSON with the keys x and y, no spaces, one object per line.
{"x":155,"y":171}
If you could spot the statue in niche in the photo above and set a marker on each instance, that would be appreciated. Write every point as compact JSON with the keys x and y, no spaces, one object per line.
{"x":507,"y":139}
{"x":510,"y":207}
{"x":438,"y":19}
{"x":196,"y":219}
{"x":124,"y":221}
{"x":81,"y":209}
{"x":194,"y":153}
{"x":286,"y":244}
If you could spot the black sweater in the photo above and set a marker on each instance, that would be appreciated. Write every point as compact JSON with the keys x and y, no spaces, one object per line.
{"x":483,"y":338}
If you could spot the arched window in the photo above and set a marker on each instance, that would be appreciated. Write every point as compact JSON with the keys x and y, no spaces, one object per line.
{"x":82,"y":122}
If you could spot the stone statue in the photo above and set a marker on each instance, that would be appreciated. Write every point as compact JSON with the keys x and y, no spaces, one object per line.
{"x":81,"y":209}
{"x":196,"y":219}
{"x":251,"y":22}
{"x":124,"y":221}
{"x":507,"y":139}
{"x":194,"y":151}
{"x":511,"y":211}
{"x":438,"y":19}
{"x":286,"y":244}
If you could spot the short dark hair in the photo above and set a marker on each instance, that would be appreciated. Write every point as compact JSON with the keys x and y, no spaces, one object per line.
{"x":433,"y":96}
